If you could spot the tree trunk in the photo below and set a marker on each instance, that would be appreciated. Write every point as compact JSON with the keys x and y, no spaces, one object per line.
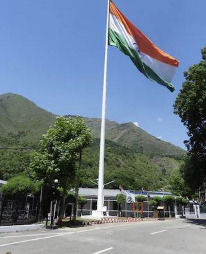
{"x":77,"y":187}
{"x":120,"y":210}
{"x":62,"y":207}
{"x":76,"y":201}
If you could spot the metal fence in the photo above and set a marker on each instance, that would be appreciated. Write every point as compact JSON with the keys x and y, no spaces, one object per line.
{"x":13,"y":212}
{"x":194,"y":211}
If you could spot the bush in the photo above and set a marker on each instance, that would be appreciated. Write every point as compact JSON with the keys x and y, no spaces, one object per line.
{"x":121,"y":198}
{"x":82,"y":201}
{"x":153,"y":202}
{"x":169,"y":200}
{"x":140,"y":198}
{"x":157,"y":199}
{"x":18,"y":187}
{"x":185,"y":201}
{"x":178,"y":200}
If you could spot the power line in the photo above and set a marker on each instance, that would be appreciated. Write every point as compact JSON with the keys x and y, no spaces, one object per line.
{"x":17,"y":148}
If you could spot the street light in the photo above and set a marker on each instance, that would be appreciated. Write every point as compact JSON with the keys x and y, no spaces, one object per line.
{"x":53,"y":211}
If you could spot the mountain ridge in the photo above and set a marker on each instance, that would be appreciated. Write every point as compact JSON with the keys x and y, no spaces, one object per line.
{"x":18,"y":114}
{"x":133,"y":157}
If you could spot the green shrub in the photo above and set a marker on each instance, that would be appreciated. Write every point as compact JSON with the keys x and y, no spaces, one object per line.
{"x":121,"y":198}
{"x":18,"y":187}
{"x":157,"y":199}
{"x":169,"y":200}
{"x":140,"y":198}
{"x":178,"y":200}
{"x":185,"y":201}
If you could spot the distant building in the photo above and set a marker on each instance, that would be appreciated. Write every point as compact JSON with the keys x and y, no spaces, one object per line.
{"x":111,"y":203}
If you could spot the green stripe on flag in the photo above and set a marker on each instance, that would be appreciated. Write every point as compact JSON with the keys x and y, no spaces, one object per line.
{"x":118,"y":41}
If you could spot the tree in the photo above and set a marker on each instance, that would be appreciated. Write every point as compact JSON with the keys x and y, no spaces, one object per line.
{"x":18,"y":187}
{"x":169,"y":200}
{"x":58,"y":154}
{"x":140,"y":199}
{"x":190,"y":105}
{"x":121,"y":199}
{"x":155,"y":201}
{"x":178,"y":185}
{"x":181,"y":202}
{"x":82,"y":201}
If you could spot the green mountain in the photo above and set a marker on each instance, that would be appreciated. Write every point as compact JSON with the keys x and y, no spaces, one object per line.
{"x":127,"y":167}
{"x":133,"y":137}
{"x":133,"y":157}
{"x":20,"y":116}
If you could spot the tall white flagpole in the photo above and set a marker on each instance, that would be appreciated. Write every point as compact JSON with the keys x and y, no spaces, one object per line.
{"x":100,"y":202}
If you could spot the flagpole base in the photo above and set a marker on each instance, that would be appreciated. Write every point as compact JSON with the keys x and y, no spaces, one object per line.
{"x":100,"y":214}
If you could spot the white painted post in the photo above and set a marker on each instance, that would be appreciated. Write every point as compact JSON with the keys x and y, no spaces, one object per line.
{"x":100,"y":201}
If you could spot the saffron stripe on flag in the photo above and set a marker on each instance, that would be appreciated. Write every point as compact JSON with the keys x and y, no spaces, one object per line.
{"x":145,"y":45}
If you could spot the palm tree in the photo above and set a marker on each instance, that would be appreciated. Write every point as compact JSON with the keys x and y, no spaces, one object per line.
{"x":121,"y":199}
{"x":140,"y":199}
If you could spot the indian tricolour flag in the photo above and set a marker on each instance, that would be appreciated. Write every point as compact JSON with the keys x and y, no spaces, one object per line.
{"x":154,"y":63}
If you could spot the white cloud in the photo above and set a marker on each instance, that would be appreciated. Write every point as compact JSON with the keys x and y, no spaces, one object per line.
{"x":159,"y":119}
{"x":159,"y":137}
{"x":136,"y":124}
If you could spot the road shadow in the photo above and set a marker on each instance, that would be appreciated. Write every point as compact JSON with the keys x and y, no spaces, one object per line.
{"x":198,"y":222}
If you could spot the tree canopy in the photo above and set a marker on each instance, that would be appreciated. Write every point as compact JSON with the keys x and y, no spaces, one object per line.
{"x":190,"y":105}
{"x":169,"y":199}
{"x":177,"y":185}
{"x":140,"y":198}
{"x":155,"y":201}
{"x":18,"y":187}
{"x":121,"y":198}
{"x":58,"y":151}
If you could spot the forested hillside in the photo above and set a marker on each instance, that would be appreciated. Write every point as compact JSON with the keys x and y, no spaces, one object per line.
{"x":133,"y":137}
{"x":133,"y":157}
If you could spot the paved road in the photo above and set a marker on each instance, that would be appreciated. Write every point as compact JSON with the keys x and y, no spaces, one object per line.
{"x":152,"y":237}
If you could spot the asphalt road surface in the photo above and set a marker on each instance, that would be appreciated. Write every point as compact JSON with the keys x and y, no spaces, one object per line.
{"x":152,"y":237}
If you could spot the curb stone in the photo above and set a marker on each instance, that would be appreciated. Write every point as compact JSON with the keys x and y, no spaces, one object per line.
{"x":19,"y":228}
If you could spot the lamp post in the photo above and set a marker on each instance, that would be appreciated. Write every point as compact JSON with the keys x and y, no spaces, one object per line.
{"x":40,"y":204}
{"x":53,"y":210}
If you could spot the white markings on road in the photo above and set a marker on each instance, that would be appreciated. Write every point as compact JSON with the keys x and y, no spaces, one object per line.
{"x":154,"y":233}
{"x":102,"y":251}
{"x":176,"y":227}
{"x":15,"y":236}
{"x":185,"y":226}
{"x":52,"y":235}
{"x":109,"y":232}
{"x":86,"y":230}
{"x":36,"y":239}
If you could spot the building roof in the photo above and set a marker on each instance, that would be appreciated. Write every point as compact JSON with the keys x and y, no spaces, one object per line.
{"x":94,"y":192}
{"x":114,"y":192}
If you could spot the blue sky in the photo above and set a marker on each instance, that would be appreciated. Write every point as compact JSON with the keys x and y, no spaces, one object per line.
{"x":52,"y":52}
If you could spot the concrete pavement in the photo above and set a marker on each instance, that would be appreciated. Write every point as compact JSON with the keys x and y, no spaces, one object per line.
{"x":152,"y":237}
